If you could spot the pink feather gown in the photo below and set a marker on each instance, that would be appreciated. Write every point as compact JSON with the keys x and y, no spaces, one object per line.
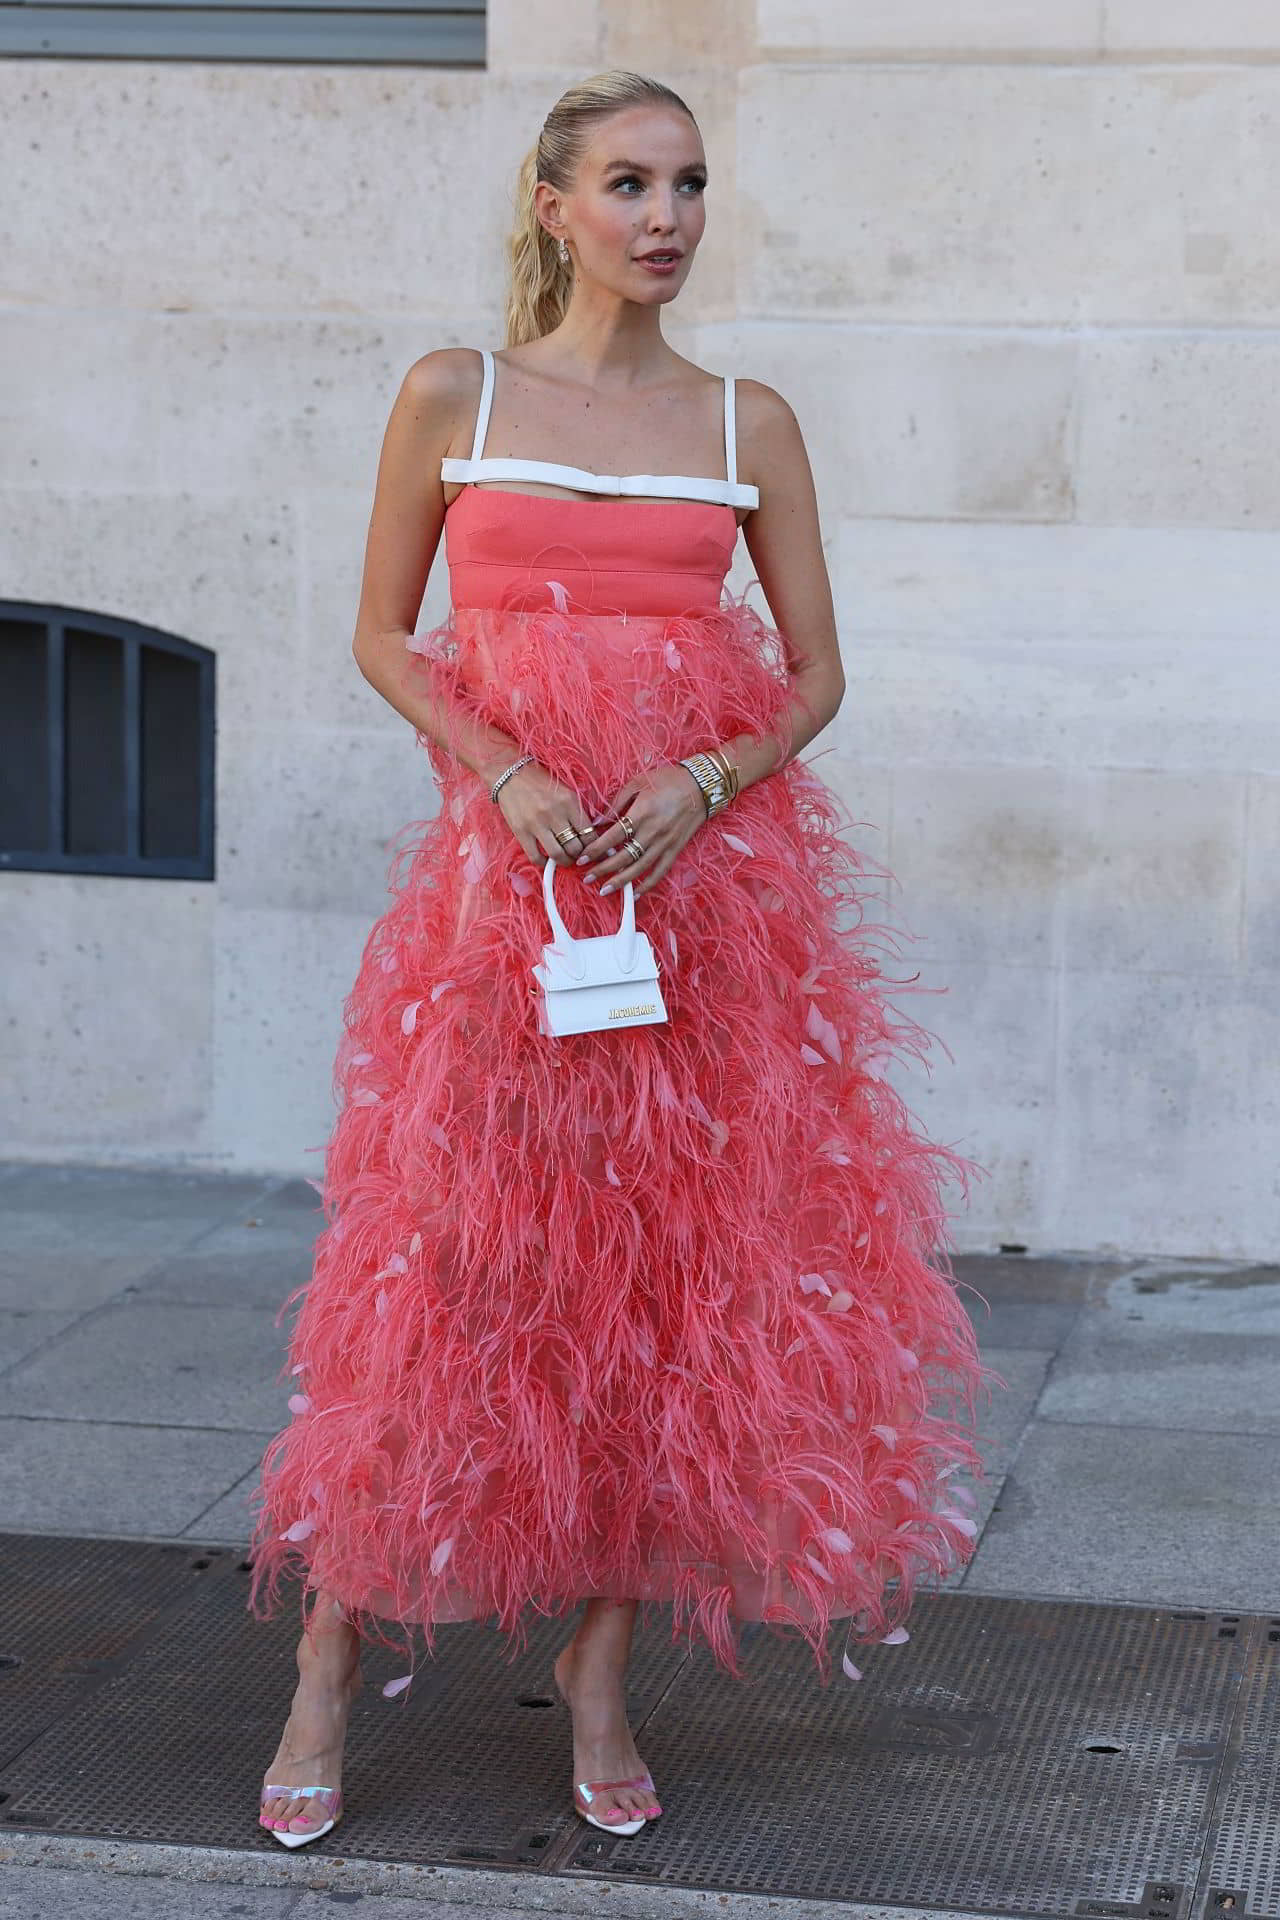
{"x":659,"y":1312}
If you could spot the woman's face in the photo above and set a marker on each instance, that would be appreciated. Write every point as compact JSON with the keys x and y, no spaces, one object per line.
{"x":635,"y":214}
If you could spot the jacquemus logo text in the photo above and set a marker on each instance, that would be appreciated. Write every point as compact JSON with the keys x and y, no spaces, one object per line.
{"x":619,"y":1013}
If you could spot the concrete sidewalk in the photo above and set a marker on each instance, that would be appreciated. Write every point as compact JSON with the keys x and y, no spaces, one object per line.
{"x":1134,"y":1457}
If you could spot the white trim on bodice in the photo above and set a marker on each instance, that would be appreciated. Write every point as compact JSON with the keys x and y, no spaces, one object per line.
{"x":727,"y":493}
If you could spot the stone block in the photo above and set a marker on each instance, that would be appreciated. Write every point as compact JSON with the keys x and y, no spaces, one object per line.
{"x":282,"y":980}
{"x":918,"y":425}
{"x":1154,"y":871}
{"x":310,"y":820}
{"x":1180,"y":431}
{"x":988,"y":1091}
{"x":110,"y":1041}
{"x":150,"y":1363}
{"x":1262,"y":872}
{"x":978,"y":855}
{"x":365,"y":195}
{"x":929,"y":29}
{"x":1166,"y":1518}
{"x":1184,"y":29}
{"x":1163,"y":1114}
{"x":105,"y":1479}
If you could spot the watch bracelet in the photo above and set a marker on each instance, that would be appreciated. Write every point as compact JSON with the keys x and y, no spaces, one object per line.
{"x":711,"y":780}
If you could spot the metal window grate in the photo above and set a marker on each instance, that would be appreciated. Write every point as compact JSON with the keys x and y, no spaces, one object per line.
{"x":400,"y":32}
{"x":106,"y":746}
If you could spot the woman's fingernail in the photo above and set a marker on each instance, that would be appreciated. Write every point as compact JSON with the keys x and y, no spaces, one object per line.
{"x":583,"y":858}
{"x":607,"y":887}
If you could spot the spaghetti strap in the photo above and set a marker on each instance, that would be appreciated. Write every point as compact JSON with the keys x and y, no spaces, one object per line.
{"x":730,"y":432}
{"x":486,"y":403}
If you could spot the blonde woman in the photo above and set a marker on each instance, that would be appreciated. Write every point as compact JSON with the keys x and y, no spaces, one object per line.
{"x":648,"y":1310}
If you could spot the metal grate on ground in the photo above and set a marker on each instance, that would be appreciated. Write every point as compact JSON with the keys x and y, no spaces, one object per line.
{"x":1014,"y":1757}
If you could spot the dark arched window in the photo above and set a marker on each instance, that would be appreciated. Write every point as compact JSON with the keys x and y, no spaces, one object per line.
{"x":106,"y":746}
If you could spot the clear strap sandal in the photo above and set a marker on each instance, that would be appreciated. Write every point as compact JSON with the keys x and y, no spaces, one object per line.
{"x":331,"y":1799}
{"x":588,"y":1789}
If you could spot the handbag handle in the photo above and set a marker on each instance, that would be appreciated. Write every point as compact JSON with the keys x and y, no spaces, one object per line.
{"x":564,"y":942}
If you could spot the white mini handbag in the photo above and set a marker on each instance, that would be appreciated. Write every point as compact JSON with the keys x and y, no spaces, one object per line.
{"x":606,"y":980}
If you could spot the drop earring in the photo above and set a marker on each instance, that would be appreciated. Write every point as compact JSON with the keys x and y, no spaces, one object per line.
{"x":564,"y":254}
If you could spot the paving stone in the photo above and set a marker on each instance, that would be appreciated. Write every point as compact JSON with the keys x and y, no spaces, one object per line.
{"x":69,"y":1276}
{"x":1165,"y":1518}
{"x":159,"y":1363}
{"x":1119,"y":1369}
{"x":75,"y":1476}
{"x":23,"y":1333}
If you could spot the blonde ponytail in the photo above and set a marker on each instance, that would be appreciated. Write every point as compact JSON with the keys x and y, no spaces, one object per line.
{"x":540,"y":283}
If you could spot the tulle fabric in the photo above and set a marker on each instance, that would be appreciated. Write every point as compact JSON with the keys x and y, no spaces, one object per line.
{"x":664,"y":1312}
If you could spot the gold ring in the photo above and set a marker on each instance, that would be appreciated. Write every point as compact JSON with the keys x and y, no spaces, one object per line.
{"x":635,"y":849}
{"x":567,"y":833}
{"x":627,"y":825}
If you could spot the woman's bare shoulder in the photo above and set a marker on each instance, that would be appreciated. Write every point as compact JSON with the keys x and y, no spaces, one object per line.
{"x":443,"y":378}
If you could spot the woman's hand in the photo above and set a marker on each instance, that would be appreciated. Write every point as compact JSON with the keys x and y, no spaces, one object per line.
{"x":535,"y":805}
{"x":666,"y":808}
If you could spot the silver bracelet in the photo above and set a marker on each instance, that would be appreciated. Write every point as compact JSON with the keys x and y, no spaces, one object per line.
{"x":506,"y":774}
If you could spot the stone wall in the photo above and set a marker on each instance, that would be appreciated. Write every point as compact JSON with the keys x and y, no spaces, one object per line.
{"x":1017,"y":270}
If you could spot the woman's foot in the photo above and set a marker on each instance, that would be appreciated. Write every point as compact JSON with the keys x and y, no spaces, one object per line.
{"x":310,"y":1750}
{"x":603,"y":1748}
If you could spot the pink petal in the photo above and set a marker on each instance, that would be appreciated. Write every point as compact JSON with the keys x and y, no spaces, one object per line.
{"x":823,"y":1573}
{"x":888,"y":1434}
{"x":366,"y":1097}
{"x":318,"y":1185}
{"x":811,"y":1055}
{"x":907,"y":1360}
{"x":397,"y":1264}
{"x":299,"y":1403}
{"x":670,"y":654}
{"x":852,"y":1671}
{"x":300,"y":1530}
{"x":795,"y":1347}
{"x":382,"y":1305}
{"x":393,"y":1687}
{"x":611,"y":1174}
{"x":409,"y":1018}
{"x":907,"y":1487}
{"x":814,"y":1283}
{"x":442,"y":986}
{"x":837,"y":1539}
{"x":671,"y":942}
{"x":960,"y":1520}
{"x":295,"y":1371}
{"x":437,"y":1133}
{"x":840,"y":1302}
{"x":389,"y":963}
{"x":441,"y":1555}
{"x":415,"y":1245}
{"x":732,"y":840}
{"x":896,"y":1638}
{"x":521,"y":883}
{"x":719,"y":1135}
{"x":361,"y":1059}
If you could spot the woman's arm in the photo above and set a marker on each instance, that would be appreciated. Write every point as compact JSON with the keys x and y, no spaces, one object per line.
{"x":437,"y":400}
{"x":785,"y":543}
